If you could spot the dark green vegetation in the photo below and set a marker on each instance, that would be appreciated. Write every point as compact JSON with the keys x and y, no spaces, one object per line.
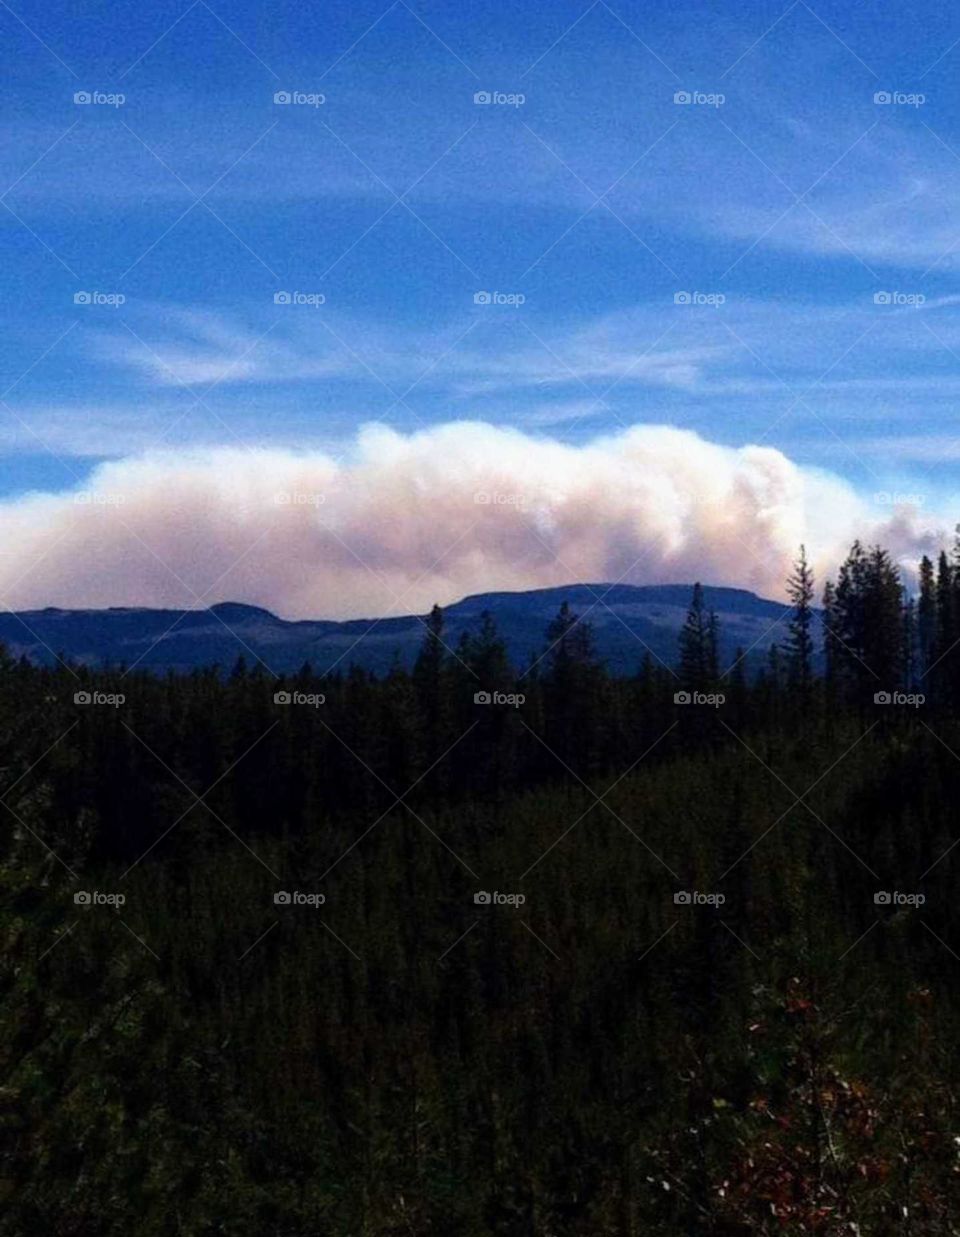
{"x":600,"y":1059}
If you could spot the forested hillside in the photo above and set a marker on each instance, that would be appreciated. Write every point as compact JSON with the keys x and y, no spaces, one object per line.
{"x":472,"y":950}
{"x":625,"y":620}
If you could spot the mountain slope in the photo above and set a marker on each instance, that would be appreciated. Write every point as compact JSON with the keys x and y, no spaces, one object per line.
{"x":627,"y":621}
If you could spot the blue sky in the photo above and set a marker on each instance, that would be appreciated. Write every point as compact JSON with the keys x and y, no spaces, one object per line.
{"x":783,"y":193}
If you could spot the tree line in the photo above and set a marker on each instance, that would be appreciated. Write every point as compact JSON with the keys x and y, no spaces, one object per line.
{"x":699,"y":1019}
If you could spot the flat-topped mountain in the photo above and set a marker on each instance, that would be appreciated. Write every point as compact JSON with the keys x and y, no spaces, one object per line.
{"x":626,"y":619}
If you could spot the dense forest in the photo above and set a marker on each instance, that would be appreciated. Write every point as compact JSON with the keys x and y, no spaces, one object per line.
{"x":486,"y":949}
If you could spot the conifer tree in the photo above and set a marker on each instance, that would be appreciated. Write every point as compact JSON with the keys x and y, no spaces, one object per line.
{"x":697,"y":667}
{"x":713,"y":648}
{"x":848,"y":624}
{"x":926,"y":618}
{"x":882,"y":609}
{"x":571,"y":690}
{"x":946,"y":612}
{"x":909,"y":645}
{"x":830,"y":642}
{"x":800,"y":588}
{"x":569,"y":639}
{"x":489,"y":653}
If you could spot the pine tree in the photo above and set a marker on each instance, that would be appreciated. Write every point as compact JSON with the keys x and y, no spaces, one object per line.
{"x":946,"y":623}
{"x":848,"y":624}
{"x":829,"y":637}
{"x":574,"y":692}
{"x":569,"y":639}
{"x":800,"y":588}
{"x":430,"y":682}
{"x":489,"y":652}
{"x":736,"y":689}
{"x":713,"y":648}
{"x":698,"y":658}
{"x":883,"y":650}
{"x":909,"y":638}
{"x":926,"y":618}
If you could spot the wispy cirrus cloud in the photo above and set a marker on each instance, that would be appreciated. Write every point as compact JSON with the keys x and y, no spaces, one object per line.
{"x":740,"y":346}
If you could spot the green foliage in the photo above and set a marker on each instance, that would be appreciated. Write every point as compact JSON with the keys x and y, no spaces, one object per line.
{"x":403,"y":1060}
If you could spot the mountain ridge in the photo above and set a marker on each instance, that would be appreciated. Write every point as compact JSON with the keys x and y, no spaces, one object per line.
{"x":628,"y":621}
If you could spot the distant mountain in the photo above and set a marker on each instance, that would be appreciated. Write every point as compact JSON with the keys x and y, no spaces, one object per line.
{"x":628,"y":621}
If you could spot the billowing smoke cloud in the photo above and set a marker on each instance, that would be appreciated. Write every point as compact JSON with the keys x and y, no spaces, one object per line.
{"x":404,"y":521}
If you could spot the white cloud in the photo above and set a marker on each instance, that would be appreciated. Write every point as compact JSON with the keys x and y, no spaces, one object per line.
{"x":397,"y":525}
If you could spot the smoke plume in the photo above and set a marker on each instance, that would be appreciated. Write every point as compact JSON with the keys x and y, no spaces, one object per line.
{"x":406,"y":520}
